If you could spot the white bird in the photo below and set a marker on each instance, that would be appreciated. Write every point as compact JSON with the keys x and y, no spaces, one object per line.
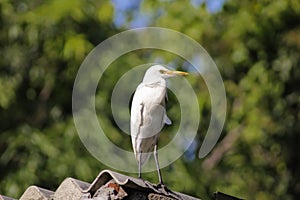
{"x":148,"y":114}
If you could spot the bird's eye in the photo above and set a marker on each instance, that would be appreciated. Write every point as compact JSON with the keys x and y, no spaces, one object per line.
{"x":162,"y":71}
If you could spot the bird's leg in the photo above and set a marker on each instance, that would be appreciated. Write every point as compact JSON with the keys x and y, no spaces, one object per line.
{"x":140,"y":165}
{"x":157,"y":165}
{"x":161,"y":186}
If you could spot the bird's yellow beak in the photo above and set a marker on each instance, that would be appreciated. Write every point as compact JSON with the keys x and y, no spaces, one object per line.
{"x":181,"y":73}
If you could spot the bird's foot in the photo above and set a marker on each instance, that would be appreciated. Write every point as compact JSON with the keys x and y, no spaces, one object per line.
{"x":163,"y":189}
{"x":159,"y":188}
{"x":150,"y":185}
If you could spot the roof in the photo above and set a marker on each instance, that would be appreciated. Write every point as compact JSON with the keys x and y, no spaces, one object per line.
{"x":107,"y":185}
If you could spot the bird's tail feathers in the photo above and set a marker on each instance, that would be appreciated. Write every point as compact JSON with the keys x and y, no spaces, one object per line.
{"x":142,"y":157}
{"x":167,"y":120}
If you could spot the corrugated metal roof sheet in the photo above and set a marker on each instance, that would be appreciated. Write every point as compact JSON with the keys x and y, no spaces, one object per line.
{"x":108,"y":185}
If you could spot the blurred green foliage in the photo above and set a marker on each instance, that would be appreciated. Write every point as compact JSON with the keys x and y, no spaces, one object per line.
{"x":255,"y":44}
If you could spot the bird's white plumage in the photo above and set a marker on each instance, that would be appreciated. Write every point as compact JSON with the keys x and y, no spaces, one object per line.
{"x":148,"y":114}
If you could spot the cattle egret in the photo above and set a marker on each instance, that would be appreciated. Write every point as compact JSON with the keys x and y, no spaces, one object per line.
{"x":148,"y":114}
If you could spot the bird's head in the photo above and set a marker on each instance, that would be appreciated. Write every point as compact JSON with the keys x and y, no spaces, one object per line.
{"x":157,"y":72}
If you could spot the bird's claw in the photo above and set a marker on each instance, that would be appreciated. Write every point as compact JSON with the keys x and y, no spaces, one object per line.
{"x":150,"y":185}
{"x":163,"y":189}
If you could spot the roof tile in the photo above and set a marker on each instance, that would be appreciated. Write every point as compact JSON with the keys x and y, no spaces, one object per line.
{"x":108,"y":185}
{"x":37,"y":193}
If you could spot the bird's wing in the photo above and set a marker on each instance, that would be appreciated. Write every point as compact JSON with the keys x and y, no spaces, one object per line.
{"x":136,"y":121}
{"x":166,"y":118}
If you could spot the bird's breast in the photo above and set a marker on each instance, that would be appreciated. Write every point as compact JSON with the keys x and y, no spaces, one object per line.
{"x":147,"y":107}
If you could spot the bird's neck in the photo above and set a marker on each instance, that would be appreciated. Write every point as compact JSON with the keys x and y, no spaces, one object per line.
{"x":159,"y":81}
